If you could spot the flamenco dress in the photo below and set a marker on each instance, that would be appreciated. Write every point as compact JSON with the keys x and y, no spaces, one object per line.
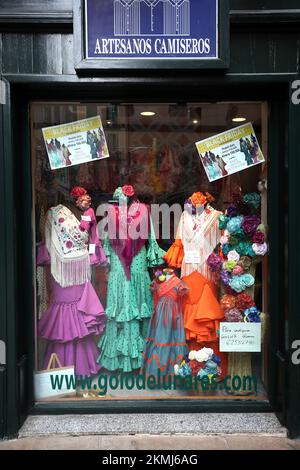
{"x":73,"y":319}
{"x":165,"y":343}
{"x":129,"y":301}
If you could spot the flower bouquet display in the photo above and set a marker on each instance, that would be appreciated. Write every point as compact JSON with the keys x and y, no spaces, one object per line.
{"x":242,"y":245}
{"x":240,"y":308}
{"x":203,"y":365}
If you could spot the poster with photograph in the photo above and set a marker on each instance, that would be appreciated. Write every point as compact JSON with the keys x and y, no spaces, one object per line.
{"x":75,"y":143}
{"x":230,"y":152}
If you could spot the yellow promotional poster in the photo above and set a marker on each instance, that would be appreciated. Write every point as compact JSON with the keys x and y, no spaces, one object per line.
{"x":230,"y":152}
{"x":75,"y":143}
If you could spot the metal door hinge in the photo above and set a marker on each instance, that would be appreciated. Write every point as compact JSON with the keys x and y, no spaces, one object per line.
{"x":2,"y":353}
{"x":2,"y":92}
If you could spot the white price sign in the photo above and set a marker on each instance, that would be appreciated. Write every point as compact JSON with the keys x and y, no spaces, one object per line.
{"x":240,"y":337}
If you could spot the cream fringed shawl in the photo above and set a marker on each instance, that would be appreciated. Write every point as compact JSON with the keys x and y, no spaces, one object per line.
{"x":200,"y":235}
{"x":67,"y":246}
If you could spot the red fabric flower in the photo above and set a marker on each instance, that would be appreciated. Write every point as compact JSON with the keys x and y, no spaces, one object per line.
{"x":78,"y":191}
{"x":196,"y":366}
{"x":244,"y":301}
{"x":128,"y":190}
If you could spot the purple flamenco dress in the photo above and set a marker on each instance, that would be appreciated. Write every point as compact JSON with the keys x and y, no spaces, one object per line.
{"x":74,"y":317}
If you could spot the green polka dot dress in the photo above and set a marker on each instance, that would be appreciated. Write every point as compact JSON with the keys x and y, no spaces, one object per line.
{"x":129,"y":308}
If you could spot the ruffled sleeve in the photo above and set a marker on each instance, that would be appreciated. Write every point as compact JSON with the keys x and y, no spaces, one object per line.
{"x":155,"y":254}
{"x":43,"y":257}
{"x":175,"y":253}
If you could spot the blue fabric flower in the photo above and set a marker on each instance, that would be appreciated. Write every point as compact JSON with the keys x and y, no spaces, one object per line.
{"x":237,"y":284}
{"x":226,"y":248}
{"x":247,"y":279}
{"x":216,"y":359}
{"x":234,"y":224}
{"x":253,"y":315}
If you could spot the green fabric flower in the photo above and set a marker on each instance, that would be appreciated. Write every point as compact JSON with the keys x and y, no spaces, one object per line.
{"x":233,"y":240}
{"x":253,"y":200}
{"x":223,"y":220}
{"x":240,"y":236}
{"x":229,"y":265}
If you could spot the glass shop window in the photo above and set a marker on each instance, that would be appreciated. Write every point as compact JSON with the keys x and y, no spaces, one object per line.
{"x":151,"y":253}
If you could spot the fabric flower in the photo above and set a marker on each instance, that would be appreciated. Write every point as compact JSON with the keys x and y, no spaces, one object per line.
{"x":192,"y":355}
{"x":237,"y":283}
{"x":237,"y":270}
{"x":229,"y":265}
{"x":253,"y":200}
{"x":244,"y":301}
{"x":225,"y":277}
{"x":128,"y":190}
{"x":258,"y":237}
{"x":198,"y":199}
{"x":195,"y":366}
{"x":250,"y":224}
{"x":223,"y":220}
{"x":233,"y":240}
{"x":261,"y":228}
{"x":227,"y":302}
{"x":216,"y":359}
{"x":204,"y":354}
{"x":234,"y":224}
{"x":230,"y":291}
{"x":252,"y":314}
{"x":119,"y":195}
{"x":234,"y":315}
{"x":214,"y":262}
{"x":226,"y":249}
{"x":248,"y":279}
{"x":224,"y":239}
{"x":260,"y":249}
{"x":240,"y":236}
{"x":245,"y":262}
{"x":242,"y":208}
{"x":231,"y":211}
{"x":78,"y":191}
{"x":233,"y":256}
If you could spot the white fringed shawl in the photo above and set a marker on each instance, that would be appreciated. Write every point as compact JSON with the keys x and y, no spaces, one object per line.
{"x":202,"y":240}
{"x":67,"y":246}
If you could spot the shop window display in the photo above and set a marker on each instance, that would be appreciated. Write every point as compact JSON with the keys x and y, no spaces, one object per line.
{"x":115,"y":306}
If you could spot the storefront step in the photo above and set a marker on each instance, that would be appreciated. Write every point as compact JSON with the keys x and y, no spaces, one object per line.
{"x":154,"y":424}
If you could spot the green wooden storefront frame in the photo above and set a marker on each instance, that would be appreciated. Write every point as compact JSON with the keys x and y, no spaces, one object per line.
{"x":16,"y":191}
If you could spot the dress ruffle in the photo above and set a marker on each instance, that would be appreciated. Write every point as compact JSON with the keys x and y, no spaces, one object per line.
{"x":75,"y":314}
{"x":121,"y":348}
{"x":202,"y":311}
{"x":174,"y":255}
{"x":129,"y":299}
{"x":81,"y":353}
{"x":155,"y":254}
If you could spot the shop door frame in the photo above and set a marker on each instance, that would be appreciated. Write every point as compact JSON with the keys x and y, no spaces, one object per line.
{"x":271,"y":88}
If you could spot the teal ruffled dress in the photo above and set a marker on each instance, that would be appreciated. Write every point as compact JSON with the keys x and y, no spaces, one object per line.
{"x":129,"y":307}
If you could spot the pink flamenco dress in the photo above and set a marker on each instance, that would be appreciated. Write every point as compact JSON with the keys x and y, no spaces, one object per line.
{"x":75,"y":315}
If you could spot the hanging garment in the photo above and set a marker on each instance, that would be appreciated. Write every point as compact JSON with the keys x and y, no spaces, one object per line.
{"x":129,"y":302}
{"x":196,"y":238}
{"x":75,"y":314}
{"x":165,"y":343}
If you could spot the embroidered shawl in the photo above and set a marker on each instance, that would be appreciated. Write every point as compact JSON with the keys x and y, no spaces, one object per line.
{"x":67,"y":245}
